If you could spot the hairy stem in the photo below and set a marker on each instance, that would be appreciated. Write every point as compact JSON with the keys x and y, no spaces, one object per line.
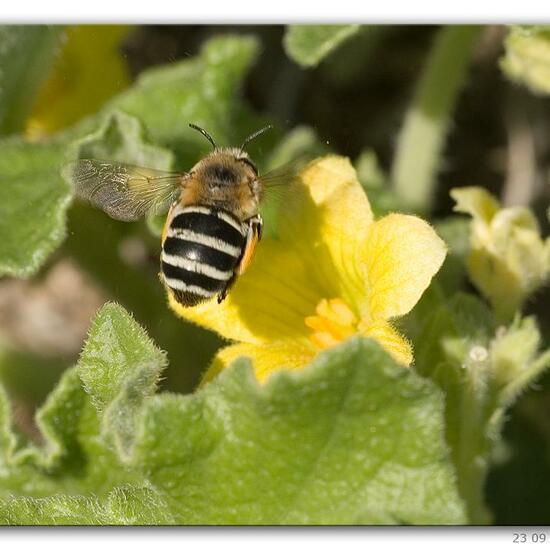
{"x":473,"y":445}
{"x":422,"y":136}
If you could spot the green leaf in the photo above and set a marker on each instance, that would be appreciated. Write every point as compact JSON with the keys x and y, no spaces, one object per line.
{"x":203,"y":90}
{"x":59,"y":421}
{"x":7,"y":438}
{"x":33,"y":196}
{"x":27,"y":53}
{"x":450,"y":331}
{"x":126,"y":505}
{"x":121,"y":138}
{"x":120,"y":368}
{"x":54,"y":510}
{"x":352,"y":438}
{"x":300,"y":143}
{"x":452,"y":350}
{"x":308,"y":45}
{"x":375,"y":182}
{"x":455,"y":231}
{"x":33,"y":202}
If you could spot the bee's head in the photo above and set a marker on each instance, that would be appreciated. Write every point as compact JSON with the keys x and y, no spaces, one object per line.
{"x":225,"y":164}
{"x":229,"y":178}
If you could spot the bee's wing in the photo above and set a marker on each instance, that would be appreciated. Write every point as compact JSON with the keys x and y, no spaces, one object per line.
{"x":124,"y":191}
{"x":285,"y":174}
{"x":278,"y":184}
{"x":280,"y":192}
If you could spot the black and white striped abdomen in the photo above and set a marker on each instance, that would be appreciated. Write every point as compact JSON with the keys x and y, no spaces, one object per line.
{"x":201,"y":251}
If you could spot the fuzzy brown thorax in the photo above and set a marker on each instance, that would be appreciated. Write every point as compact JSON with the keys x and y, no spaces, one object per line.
{"x":225,"y":179}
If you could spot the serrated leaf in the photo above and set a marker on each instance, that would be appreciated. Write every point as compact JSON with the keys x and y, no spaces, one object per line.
{"x":202,"y":90}
{"x":125,"y":505}
{"x":128,"y":505}
{"x":308,"y":45}
{"x":59,"y":422}
{"x":27,"y":53}
{"x":54,"y":510}
{"x":33,"y":203}
{"x":354,"y":437}
{"x":120,"y":368}
{"x":121,"y":138}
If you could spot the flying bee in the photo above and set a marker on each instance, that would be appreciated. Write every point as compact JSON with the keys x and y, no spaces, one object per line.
{"x":213,"y":224}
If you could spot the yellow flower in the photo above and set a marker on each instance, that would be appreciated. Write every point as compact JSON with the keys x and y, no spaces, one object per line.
{"x":333,"y":272}
{"x":89,"y":70}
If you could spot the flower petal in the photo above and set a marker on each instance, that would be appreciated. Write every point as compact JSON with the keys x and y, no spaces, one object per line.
{"x":401,"y":255}
{"x":395,"y":344}
{"x":476,"y":201}
{"x":326,"y":221}
{"x":268,"y":302}
{"x":266,"y":358}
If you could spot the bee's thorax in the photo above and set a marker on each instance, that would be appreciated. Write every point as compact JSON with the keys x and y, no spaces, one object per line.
{"x":225,"y":179}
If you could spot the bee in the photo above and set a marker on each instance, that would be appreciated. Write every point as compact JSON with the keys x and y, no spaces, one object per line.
{"x":213,"y":224}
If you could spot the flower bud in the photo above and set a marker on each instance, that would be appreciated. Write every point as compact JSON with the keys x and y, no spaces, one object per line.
{"x":508,"y":259}
{"x":513,"y":349}
{"x":527,"y":58}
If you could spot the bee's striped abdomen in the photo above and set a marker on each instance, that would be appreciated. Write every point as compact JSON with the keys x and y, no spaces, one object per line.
{"x":200,"y":253}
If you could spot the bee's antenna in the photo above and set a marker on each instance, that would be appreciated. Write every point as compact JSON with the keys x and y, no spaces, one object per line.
{"x":204,"y":133}
{"x":255,"y":135}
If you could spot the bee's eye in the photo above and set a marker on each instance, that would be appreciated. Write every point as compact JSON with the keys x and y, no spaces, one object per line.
{"x":249,"y":163}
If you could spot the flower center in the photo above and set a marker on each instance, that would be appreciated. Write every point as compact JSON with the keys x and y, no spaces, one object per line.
{"x":334,"y":322}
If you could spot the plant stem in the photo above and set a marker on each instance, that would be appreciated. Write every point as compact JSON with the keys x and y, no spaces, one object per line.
{"x":473,"y":445}
{"x":422,"y":136}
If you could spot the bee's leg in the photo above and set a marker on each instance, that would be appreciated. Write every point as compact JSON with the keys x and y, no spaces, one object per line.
{"x":253,"y":237}
{"x":223,"y":294}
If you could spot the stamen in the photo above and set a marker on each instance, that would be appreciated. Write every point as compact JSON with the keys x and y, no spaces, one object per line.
{"x":334,"y":322}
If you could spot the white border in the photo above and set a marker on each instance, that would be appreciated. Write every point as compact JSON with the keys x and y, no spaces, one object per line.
{"x":274,"y":11}
{"x":319,"y":538}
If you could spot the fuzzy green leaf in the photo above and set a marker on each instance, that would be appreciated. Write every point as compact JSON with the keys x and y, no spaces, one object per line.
{"x":126,"y":505}
{"x":7,"y":438}
{"x":27,"y":53}
{"x":203,"y":90}
{"x":453,"y":350}
{"x":59,"y":421}
{"x":352,"y":438}
{"x":121,"y":138}
{"x":33,"y":203}
{"x":119,"y":367}
{"x":308,"y":45}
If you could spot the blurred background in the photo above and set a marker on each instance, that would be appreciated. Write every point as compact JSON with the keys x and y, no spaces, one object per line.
{"x":499,"y":139}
